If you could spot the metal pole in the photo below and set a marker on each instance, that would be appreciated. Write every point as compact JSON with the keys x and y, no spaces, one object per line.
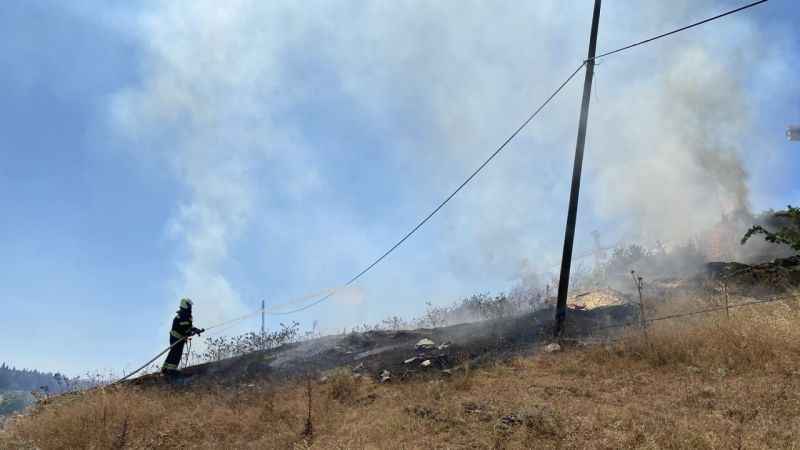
{"x":637,"y":280}
{"x":727,"y":310}
{"x":263,"y":334}
{"x":569,"y":235}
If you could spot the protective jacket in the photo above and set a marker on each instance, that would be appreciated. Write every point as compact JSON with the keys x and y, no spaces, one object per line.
{"x":182,"y":327}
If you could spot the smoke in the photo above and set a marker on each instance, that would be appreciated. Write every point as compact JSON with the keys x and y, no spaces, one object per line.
{"x":228,"y":97}
{"x":709,"y":112}
{"x":353,"y":296}
{"x":676,"y":170}
{"x":198,"y":112}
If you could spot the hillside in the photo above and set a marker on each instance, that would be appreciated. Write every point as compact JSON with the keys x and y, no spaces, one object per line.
{"x":16,"y":386}
{"x":12,"y":379}
{"x":711,"y":384}
{"x":722,"y":379}
{"x":375,"y":351}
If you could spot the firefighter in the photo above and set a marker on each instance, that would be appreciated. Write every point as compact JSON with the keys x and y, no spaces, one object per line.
{"x":182,"y":329}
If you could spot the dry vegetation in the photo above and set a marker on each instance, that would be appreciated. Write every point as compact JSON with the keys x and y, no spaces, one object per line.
{"x":700,"y":383}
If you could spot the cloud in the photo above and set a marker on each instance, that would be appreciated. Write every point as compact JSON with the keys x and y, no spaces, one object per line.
{"x":230,"y":94}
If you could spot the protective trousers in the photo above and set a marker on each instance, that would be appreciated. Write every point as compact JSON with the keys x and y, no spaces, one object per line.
{"x":174,"y":356}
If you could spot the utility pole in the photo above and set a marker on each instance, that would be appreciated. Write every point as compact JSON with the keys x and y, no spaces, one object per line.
{"x":569,"y":235}
{"x":263,"y":313}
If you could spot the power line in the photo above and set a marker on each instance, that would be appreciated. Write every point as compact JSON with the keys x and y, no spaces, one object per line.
{"x":303,"y":308}
{"x":719,"y":16}
{"x":501,"y":147}
{"x":469,"y":179}
{"x":448,"y":198}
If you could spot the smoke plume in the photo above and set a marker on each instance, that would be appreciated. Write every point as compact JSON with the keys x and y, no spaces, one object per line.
{"x":233,"y":98}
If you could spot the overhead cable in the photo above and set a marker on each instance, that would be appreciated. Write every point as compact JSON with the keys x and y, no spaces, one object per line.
{"x":448,"y":198}
{"x":503,"y":145}
{"x":500,"y":148}
{"x":719,"y":16}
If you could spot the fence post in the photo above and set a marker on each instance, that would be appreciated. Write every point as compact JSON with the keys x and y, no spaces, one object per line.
{"x":263,"y":333}
{"x":725,"y":292}
{"x":642,"y":319}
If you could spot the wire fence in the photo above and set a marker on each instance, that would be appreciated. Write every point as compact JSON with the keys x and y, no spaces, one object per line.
{"x":719,"y":297}
{"x":727,"y":308}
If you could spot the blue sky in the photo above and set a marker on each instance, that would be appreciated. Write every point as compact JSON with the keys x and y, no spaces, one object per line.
{"x":153,"y":150}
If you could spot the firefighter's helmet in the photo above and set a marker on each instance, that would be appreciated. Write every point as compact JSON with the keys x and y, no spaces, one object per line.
{"x":186,"y":303}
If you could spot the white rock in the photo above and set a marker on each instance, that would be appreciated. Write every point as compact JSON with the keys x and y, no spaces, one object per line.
{"x":385,"y":376}
{"x":426,"y":344}
{"x":552,"y":348}
{"x":426,"y":363}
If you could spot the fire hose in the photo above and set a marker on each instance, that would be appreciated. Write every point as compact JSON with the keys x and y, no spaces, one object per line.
{"x":326,"y":294}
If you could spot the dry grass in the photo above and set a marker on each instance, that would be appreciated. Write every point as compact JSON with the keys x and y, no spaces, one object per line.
{"x":343,"y":386}
{"x":696,"y":384}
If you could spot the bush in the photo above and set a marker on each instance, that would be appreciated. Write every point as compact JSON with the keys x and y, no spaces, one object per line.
{"x":788,"y":234}
{"x":680,"y":261}
{"x":477,"y":307}
{"x":223,"y":347}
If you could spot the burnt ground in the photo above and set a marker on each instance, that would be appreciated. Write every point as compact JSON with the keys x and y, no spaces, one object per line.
{"x":373,"y":352}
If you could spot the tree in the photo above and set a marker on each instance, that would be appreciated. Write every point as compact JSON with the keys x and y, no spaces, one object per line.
{"x":788,"y":234}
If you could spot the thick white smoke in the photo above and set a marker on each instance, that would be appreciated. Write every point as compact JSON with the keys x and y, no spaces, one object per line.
{"x":445,"y":82}
{"x":675,"y":169}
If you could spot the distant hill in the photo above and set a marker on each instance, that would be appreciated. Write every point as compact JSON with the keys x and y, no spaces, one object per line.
{"x":12,"y":379}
